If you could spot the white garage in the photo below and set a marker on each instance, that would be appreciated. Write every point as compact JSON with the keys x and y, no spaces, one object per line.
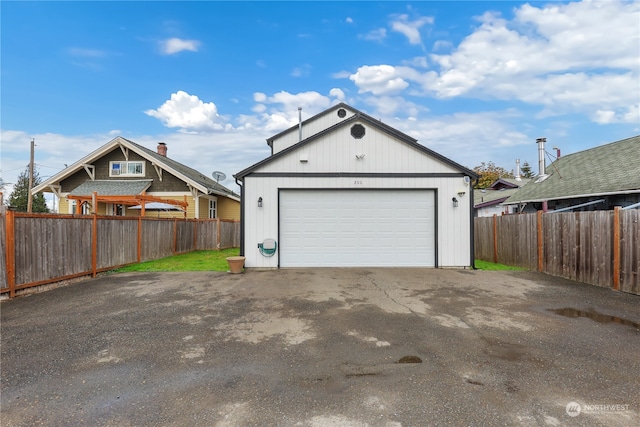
{"x":364,"y":228}
{"x":343,"y":189}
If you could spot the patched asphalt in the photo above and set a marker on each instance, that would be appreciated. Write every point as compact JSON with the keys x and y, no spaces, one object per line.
{"x":322,"y":347}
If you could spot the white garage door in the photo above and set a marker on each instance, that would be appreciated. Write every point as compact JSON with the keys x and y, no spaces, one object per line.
{"x":357,"y":228}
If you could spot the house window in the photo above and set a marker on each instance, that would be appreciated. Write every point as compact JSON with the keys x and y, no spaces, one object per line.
{"x":126,"y":168}
{"x":86,"y":209}
{"x":357,"y":131}
{"x":115,"y":210}
{"x":213,"y":208}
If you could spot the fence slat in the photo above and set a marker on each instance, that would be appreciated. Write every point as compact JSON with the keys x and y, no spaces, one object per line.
{"x":575,"y":245}
{"x":37,"y":249}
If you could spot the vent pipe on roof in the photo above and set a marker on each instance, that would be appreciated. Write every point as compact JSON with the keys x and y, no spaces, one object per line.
{"x":557,"y":152}
{"x":541,"y":162}
{"x":299,"y":124}
{"x":162,"y":149}
{"x":518,"y":177}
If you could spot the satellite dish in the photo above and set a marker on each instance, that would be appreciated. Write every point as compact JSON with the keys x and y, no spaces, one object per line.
{"x":218,"y":176}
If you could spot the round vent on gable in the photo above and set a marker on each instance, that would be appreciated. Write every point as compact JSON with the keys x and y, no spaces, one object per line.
{"x":357,"y":131}
{"x":342,"y":113}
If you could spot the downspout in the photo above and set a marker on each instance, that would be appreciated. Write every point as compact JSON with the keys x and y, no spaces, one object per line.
{"x":241,"y":217}
{"x":472,"y":251}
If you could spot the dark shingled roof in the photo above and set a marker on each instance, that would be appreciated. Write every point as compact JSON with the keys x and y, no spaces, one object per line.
{"x":111,"y":187}
{"x":185,"y":170}
{"x":609,"y":169}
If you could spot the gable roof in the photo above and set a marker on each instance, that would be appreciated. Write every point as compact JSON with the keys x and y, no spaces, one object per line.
{"x":310,"y":119}
{"x":358,"y":116}
{"x":508,"y":183}
{"x":484,"y":198}
{"x":189,"y":175}
{"x":613,"y":168}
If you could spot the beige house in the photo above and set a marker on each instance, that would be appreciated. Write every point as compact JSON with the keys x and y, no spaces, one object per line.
{"x":125,"y":178}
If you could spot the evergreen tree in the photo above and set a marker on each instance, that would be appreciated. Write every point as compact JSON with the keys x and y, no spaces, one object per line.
{"x":490,"y":173}
{"x":19,"y":198}
{"x":525,"y":170}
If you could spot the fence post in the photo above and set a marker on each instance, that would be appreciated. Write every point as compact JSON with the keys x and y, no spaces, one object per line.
{"x":139,"y":249}
{"x":195,"y":235}
{"x":10,"y":247}
{"x":495,"y":238}
{"x":540,"y":242}
{"x":94,"y":244}
{"x":175,"y":235}
{"x":616,"y":248}
{"x":218,"y":233}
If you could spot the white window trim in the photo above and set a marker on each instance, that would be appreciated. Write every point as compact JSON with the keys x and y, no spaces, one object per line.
{"x":86,"y":210}
{"x":213,"y":202}
{"x":124,"y":166}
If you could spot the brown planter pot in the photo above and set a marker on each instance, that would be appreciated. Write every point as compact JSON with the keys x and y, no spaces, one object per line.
{"x":235,"y":264}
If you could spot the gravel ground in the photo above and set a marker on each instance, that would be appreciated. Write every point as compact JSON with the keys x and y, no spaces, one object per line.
{"x":322,"y":347}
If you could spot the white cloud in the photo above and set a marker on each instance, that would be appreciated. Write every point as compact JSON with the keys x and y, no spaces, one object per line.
{"x":189,"y":114}
{"x":378,"y":79}
{"x":175,"y":45}
{"x":417,"y":62}
{"x":411,"y":29}
{"x":468,"y":138}
{"x":579,"y":57}
{"x":301,"y":71}
{"x":341,"y":75}
{"x":560,"y":50}
{"x":337,"y":93}
{"x":374,"y":35}
{"x":259,"y":108}
{"x":604,"y":116}
{"x":389,"y":106}
{"x":280,"y":110}
{"x":349,"y":20}
{"x":442,"y":45}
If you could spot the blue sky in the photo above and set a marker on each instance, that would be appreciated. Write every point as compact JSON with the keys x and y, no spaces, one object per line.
{"x":475,"y":81}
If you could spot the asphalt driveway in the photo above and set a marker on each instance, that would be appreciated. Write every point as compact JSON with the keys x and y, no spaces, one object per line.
{"x":322,"y":347}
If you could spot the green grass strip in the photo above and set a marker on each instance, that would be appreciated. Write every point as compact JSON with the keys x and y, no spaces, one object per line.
{"x":192,"y":261}
{"x":485,"y":265}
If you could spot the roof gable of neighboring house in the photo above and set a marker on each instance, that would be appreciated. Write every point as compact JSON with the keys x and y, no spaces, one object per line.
{"x":190,"y":176}
{"x":498,"y":192}
{"x":328,"y":136}
{"x":501,"y":183}
{"x":484,"y":198}
{"x":609,"y":169}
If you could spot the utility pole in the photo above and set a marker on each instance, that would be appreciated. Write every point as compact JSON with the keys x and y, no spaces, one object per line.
{"x":29,"y":196}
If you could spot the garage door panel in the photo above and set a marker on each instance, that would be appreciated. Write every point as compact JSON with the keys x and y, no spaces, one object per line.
{"x":326,"y":228}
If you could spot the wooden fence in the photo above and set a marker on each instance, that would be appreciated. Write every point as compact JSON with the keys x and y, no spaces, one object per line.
{"x":37,"y":249}
{"x":600,"y":248}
